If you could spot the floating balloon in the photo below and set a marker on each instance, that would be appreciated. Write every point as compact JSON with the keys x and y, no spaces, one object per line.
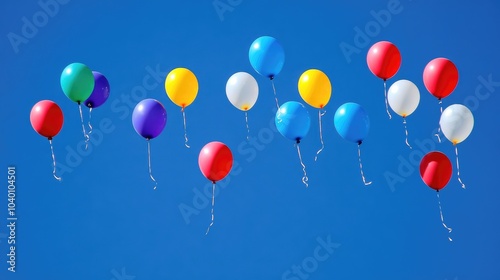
{"x":100,"y":93}
{"x":435,"y":171}
{"x":266,"y":56}
{"x":403,"y":97}
{"x":242,"y":91}
{"x":181,"y":86}
{"x":456,"y":123}
{"x":77,"y":82}
{"x":47,"y":119}
{"x":315,"y":89}
{"x":384,"y":60}
{"x":293,"y":122}
{"x":440,"y":77}
{"x":352,"y":123}
{"x":215,"y":161}
{"x":149,"y":118}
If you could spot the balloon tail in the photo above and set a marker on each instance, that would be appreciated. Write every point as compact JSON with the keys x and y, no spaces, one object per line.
{"x":442,"y":219}
{"x":386,"y":102}
{"x":85,"y":135}
{"x":439,"y":125}
{"x":248,"y":128}
{"x":149,"y":165}
{"x":275,"y":95}
{"x":320,"y":115}
{"x":53,"y":161}
{"x":212,"y":211}
{"x":90,"y":124}
{"x":361,"y":166}
{"x":185,"y":130}
{"x":406,"y":133}
{"x":458,"y":168}
{"x":304,"y":178}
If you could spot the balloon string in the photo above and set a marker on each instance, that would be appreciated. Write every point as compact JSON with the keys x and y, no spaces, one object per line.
{"x":212,"y":211}
{"x":305,"y":178}
{"x":54,"y":161}
{"x":458,"y":168}
{"x":275,"y":95}
{"x":149,"y":165}
{"x":439,"y":125}
{"x":246,"y":122}
{"x":406,"y":133}
{"x":185,"y":130}
{"x":90,"y":119}
{"x":361,"y":166}
{"x":442,"y":219}
{"x":320,"y":134}
{"x":85,"y":135}
{"x":386,"y":102}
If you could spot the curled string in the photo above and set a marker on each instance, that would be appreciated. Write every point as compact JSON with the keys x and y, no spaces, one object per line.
{"x":90,"y":119}
{"x":442,"y":219}
{"x":149,"y":165}
{"x":458,"y":168}
{"x":439,"y":125}
{"x":185,"y":130}
{"x":386,"y":102}
{"x":248,"y":128}
{"x":320,"y":134}
{"x":275,"y":95}
{"x":304,"y":178}
{"x":361,"y":166}
{"x":85,"y":135}
{"x":212,"y":212}
{"x":53,"y":161}
{"x":406,"y":133}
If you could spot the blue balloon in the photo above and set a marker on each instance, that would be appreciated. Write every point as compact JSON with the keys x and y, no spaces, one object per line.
{"x":266,"y":56}
{"x":149,"y":118}
{"x":292,"y":120}
{"x":352,"y":122}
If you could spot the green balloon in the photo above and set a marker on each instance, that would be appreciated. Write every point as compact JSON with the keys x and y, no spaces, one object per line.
{"x":77,"y":82}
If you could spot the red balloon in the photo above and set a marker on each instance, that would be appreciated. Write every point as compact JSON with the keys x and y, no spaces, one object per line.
{"x":215,"y":161}
{"x":384,"y":59}
{"x":440,"y":77}
{"x":435,"y":170}
{"x":47,"y":118}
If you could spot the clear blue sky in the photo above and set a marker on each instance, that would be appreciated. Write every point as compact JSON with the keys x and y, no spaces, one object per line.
{"x":104,"y":221}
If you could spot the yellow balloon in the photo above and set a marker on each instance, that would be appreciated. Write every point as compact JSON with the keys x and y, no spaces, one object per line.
{"x":181,"y":86}
{"x":315,"y":88}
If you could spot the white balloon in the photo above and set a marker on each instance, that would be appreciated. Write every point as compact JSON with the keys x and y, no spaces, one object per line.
{"x":403,"y":97}
{"x":242,"y":90}
{"x":456,"y":123}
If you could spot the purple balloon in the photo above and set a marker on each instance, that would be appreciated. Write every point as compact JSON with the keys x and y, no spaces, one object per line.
{"x":149,"y":118}
{"x":100,"y":93}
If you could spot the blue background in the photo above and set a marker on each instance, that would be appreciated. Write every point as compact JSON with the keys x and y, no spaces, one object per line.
{"x":104,"y":220}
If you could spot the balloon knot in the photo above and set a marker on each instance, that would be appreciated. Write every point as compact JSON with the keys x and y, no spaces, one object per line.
{"x":271,"y":77}
{"x":360,"y":142}
{"x":50,"y":138}
{"x":298,"y":141}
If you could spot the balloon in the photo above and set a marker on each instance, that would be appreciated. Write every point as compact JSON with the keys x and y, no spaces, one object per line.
{"x":292,"y":120}
{"x":46,"y":118}
{"x":383,"y":59}
{"x":315,"y":88}
{"x":352,"y":122}
{"x":100,"y":93}
{"x":266,"y":56}
{"x":149,"y":118}
{"x":215,"y":161}
{"x":456,"y":123}
{"x":242,"y":90}
{"x":435,"y":170}
{"x":403,"y":97}
{"x":440,"y":77}
{"x":77,"y":82}
{"x":181,"y":86}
